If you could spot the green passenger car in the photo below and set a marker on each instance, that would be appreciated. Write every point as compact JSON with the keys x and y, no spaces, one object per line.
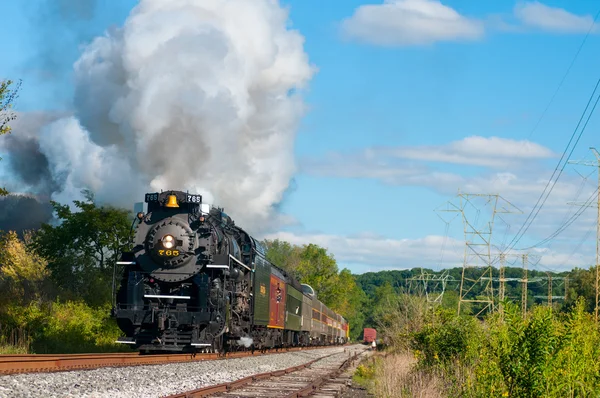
{"x":293,"y":315}
{"x":262,"y":275}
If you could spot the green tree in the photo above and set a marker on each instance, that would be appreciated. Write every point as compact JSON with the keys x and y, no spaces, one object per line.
{"x":84,"y":247}
{"x":319,"y":269}
{"x":283,"y":254}
{"x":22,"y":272}
{"x":7,"y":98}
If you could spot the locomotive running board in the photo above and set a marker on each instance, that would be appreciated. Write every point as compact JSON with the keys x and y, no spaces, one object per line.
{"x":125,"y":340}
{"x":240,"y":263}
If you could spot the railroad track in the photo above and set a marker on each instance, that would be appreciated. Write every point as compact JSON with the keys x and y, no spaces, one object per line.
{"x":317,"y":378}
{"x":13,"y":364}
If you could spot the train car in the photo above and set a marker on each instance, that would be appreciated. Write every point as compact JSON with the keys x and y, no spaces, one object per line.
{"x":369,"y":335}
{"x":195,"y":281}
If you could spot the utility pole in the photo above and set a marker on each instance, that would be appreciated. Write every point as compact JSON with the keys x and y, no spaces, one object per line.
{"x":502,"y":280}
{"x":477,"y":265}
{"x":524,"y":288}
{"x":595,"y":164}
{"x":549,"y":289}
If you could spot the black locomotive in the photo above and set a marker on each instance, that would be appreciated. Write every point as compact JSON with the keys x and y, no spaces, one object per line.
{"x":194,"y":281}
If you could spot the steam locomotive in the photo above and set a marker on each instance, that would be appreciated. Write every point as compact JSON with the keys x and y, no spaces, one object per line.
{"x":194,"y":281}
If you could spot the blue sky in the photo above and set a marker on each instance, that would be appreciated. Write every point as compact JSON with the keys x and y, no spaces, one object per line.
{"x":403,"y":112}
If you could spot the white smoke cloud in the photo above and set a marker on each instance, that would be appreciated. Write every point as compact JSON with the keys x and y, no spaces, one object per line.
{"x":198,"y":96}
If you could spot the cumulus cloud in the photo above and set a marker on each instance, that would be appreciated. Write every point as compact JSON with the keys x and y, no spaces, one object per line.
{"x":410,"y":22}
{"x":378,"y":252}
{"x":371,"y":253}
{"x":511,"y":169}
{"x":476,"y":151}
{"x":537,"y":15}
{"x":424,"y":22}
{"x":198,"y":96}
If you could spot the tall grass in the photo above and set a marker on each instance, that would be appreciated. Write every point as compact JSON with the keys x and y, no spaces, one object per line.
{"x":544,"y":354}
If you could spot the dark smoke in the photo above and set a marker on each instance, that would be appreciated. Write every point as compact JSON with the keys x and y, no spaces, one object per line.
{"x":30,"y":164}
{"x":27,"y":163}
{"x":20,"y":213}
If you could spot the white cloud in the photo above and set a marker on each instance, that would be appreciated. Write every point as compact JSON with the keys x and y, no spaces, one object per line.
{"x":517,"y":175}
{"x":369,"y":252}
{"x":477,"y":151}
{"x":410,"y":22}
{"x":541,"y":16}
{"x":397,"y":164}
{"x":372,"y":252}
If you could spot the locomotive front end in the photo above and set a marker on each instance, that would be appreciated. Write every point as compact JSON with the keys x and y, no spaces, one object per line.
{"x":167,"y":301}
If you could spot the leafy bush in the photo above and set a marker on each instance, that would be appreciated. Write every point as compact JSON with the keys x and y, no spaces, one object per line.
{"x":444,"y":339}
{"x":70,"y":327}
{"x":542,"y":354}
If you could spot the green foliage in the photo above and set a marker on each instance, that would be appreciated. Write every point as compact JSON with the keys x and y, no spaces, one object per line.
{"x":525,"y":350}
{"x":544,"y":354}
{"x":22,"y":273}
{"x":365,"y":373}
{"x":283,"y":254}
{"x":444,"y":339}
{"x":74,"y":327}
{"x":31,"y":319}
{"x":70,"y":327}
{"x":83,"y":248}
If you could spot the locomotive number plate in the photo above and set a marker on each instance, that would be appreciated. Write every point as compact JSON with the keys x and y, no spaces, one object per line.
{"x":168,"y":253}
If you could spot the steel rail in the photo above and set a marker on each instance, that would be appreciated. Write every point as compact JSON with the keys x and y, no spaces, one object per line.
{"x":300,"y":386}
{"x":33,"y":363}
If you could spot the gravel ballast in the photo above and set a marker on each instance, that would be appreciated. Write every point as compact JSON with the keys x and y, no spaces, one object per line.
{"x":152,"y":380}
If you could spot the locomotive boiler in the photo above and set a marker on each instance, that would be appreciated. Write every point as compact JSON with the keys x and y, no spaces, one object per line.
{"x":194,"y":281}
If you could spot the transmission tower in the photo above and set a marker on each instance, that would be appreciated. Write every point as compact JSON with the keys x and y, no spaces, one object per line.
{"x":477,"y":265}
{"x":595,"y":164}
{"x":552,"y":287}
{"x":524,"y":289}
{"x":433,"y":285}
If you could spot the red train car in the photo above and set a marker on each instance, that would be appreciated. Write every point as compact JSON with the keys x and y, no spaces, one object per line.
{"x":277,"y":305}
{"x":369,"y":335}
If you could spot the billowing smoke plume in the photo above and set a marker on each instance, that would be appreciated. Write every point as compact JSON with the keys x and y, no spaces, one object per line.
{"x":20,"y":213}
{"x":26,"y":163}
{"x":198,"y":96}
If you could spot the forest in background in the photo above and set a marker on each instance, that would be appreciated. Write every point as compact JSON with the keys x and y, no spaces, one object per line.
{"x":58,"y":282}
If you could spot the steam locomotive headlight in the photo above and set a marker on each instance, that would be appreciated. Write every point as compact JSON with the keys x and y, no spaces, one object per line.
{"x":168,"y":241}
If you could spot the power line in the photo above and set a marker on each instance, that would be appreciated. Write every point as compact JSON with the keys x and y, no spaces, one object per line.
{"x":526,"y":225}
{"x":564,"y":226}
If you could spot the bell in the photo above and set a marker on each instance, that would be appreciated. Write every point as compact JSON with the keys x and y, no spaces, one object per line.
{"x":172,"y":201}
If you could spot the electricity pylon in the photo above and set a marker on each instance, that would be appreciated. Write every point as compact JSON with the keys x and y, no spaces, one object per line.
{"x":553,"y":286}
{"x":477,"y":265}
{"x":524,"y":288}
{"x":595,"y":164}
{"x":433,"y":285}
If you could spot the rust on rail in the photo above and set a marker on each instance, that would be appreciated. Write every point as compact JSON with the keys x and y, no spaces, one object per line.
{"x":12,"y":364}
{"x":305,"y":390}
